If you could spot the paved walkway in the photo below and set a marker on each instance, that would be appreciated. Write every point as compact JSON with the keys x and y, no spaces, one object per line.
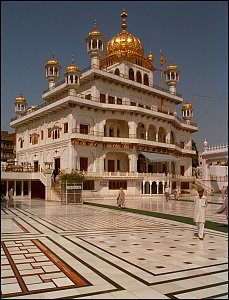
{"x":55,"y":251}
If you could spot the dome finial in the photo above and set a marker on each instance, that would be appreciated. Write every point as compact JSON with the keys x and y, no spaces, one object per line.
{"x":72,"y":59}
{"x":53,"y":54}
{"x":124,"y":16}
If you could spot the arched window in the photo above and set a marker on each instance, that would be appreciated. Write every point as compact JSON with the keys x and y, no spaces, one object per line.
{"x":100,"y":45}
{"x":139,"y":77}
{"x":117,"y":72}
{"x":131,"y":74}
{"x":146,"y":79}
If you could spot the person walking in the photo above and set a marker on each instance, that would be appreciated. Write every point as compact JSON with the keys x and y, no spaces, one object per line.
{"x":177,"y":194}
{"x":10,"y":195}
{"x":121,"y":198}
{"x":166,"y":193}
{"x":200,"y":206}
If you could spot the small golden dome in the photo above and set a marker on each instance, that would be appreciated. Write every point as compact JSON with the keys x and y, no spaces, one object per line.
{"x":72,"y":68}
{"x":187,"y":105}
{"x":20,"y":99}
{"x":171,"y":66}
{"x":124,"y":43}
{"x":52,"y":61}
{"x":95,"y":31}
{"x":150,"y":57}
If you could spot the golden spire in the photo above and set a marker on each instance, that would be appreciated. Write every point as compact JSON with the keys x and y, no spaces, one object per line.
{"x":124,"y":16}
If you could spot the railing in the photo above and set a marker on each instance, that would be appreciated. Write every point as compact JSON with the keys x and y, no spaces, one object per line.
{"x":208,"y":189}
{"x":219,"y":178}
{"x":130,"y":136}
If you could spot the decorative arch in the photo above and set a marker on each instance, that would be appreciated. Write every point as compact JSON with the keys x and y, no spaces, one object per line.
{"x":117,"y":72}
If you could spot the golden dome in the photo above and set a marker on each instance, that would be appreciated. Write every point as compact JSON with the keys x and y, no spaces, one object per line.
{"x":72,"y":68}
{"x":150,"y":57}
{"x":187,"y":105}
{"x":52,"y":61}
{"x":171,"y":66}
{"x":124,"y":43}
{"x":95,"y":31}
{"x":20,"y":99}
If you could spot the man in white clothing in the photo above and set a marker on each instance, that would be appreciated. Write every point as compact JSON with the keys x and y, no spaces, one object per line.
{"x":200,"y":205}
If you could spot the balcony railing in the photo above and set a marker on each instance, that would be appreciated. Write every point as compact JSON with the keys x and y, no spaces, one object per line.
{"x":129,"y":138}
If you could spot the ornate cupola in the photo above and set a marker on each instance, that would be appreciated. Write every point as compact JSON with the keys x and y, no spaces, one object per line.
{"x":20,"y":105}
{"x":187,"y":112}
{"x":172,"y":77}
{"x":95,"y":46}
{"x":52,"y":71}
{"x":72,"y":74}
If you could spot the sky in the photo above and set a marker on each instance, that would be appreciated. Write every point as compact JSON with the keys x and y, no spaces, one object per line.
{"x":193,"y":34}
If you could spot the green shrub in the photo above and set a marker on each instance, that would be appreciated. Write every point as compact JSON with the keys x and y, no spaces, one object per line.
{"x":73,"y":177}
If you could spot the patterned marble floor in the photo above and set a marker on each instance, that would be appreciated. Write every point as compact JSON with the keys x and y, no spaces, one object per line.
{"x":55,"y":251}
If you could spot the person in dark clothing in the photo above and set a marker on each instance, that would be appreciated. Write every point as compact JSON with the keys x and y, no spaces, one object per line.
{"x":54,"y":174}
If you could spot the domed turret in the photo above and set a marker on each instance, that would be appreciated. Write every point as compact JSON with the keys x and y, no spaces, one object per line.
{"x":72,"y":73}
{"x":125,"y":46}
{"x":52,"y":71}
{"x":95,"y":41}
{"x":20,"y":105}
{"x":172,"y":77}
{"x":187,"y":112}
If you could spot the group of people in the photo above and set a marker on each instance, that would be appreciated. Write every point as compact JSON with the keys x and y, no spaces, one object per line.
{"x":167,"y":195}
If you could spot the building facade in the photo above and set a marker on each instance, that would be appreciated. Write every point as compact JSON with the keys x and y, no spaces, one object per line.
{"x":109,"y":121}
{"x":7,"y":146}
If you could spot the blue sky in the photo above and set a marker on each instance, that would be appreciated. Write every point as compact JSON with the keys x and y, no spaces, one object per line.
{"x":194,"y":34}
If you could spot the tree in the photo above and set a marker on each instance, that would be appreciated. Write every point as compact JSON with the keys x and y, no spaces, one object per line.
{"x":195,"y":158}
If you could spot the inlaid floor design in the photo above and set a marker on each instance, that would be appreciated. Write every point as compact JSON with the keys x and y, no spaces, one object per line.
{"x":54,"y":251}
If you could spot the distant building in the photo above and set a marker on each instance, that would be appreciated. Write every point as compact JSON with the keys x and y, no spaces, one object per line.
{"x":213,"y":166}
{"x":8,"y":141}
{"x":109,"y":121}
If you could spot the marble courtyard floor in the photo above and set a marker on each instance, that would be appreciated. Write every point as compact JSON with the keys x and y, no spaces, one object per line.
{"x":54,"y":251}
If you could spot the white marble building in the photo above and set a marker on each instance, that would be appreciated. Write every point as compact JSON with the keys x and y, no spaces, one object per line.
{"x":109,"y":121}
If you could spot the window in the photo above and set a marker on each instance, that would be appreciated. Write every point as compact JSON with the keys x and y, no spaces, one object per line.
{"x":119,"y":101}
{"x":116,"y":184}
{"x":139,"y":77}
{"x":118,"y":165}
{"x":83,"y":129}
{"x":65,"y":127}
{"x":146,"y":79}
{"x":117,"y":72}
{"x":49,"y":132}
{"x":111,"y":132}
{"x":34,"y":140}
{"x":83,"y":163}
{"x":111,"y":100}
{"x":42,"y":134}
{"x":88,"y":185}
{"x":131,"y":74}
{"x":21,"y":143}
{"x":102,"y":98}
{"x":56,"y":134}
{"x":182,"y":170}
{"x":182,"y":145}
